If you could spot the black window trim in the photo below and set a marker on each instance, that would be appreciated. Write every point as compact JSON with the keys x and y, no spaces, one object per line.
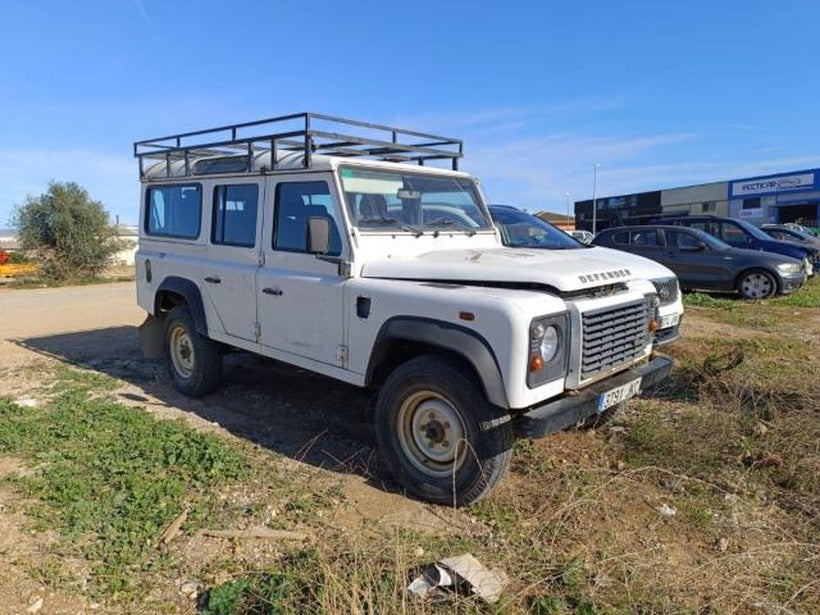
{"x":213,"y":217}
{"x":148,"y":189}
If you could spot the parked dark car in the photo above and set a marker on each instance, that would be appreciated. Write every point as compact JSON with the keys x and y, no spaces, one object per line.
{"x":742,"y":234}
{"x":789,"y":233}
{"x":522,"y":230}
{"x":704,"y":262}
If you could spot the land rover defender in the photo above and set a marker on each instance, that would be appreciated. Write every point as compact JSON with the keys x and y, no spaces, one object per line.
{"x":340,"y":247}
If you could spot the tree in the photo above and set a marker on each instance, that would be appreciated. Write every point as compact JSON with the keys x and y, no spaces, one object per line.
{"x":67,"y":232}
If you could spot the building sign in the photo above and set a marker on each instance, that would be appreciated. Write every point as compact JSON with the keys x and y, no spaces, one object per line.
{"x":771,"y":185}
{"x":751,"y":213}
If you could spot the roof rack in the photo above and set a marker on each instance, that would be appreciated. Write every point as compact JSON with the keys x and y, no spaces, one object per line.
{"x":300,"y":132}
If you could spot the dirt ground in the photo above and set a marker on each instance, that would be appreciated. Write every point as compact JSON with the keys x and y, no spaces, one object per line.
{"x":310,"y":419}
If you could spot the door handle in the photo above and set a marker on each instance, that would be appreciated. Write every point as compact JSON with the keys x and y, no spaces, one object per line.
{"x":273,"y":291}
{"x":211,"y":280}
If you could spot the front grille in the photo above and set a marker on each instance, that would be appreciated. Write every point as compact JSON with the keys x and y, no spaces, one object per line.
{"x":667,"y":289}
{"x":613,"y":336}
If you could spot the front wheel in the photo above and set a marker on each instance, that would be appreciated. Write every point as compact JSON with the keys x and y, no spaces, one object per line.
{"x":442,"y":440}
{"x":194,"y":362}
{"x":756,"y":284}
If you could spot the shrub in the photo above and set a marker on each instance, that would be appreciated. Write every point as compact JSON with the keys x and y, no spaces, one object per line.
{"x":67,"y":232}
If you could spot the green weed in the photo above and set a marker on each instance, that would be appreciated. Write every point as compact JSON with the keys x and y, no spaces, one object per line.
{"x":109,"y":477}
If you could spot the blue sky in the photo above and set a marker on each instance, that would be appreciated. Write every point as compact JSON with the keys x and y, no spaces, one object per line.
{"x":661,"y":94}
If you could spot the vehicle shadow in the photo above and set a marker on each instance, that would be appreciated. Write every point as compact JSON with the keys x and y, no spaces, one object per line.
{"x":294,"y":412}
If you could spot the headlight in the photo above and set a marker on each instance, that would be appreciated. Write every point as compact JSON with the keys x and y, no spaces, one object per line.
{"x":789,"y":267}
{"x":667,"y":289}
{"x":549,"y":338}
{"x":549,"y":344}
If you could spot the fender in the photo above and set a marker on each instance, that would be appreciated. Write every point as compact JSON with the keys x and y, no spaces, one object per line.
{"x":190,"y":291}
{"x":466,"y":343}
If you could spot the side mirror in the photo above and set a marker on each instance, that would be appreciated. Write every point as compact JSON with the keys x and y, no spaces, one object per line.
{"x":318,"y":235}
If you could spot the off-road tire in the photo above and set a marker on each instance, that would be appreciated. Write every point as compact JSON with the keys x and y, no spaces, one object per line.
{"x":441,"y":438}
{"x":194,"y":362}
{"x":756,"y":284}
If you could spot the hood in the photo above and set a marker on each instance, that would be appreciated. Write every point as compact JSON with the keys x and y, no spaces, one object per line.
{"x":564,"y":270}
{"x":782,"y":246}
{"x":761,"y":257}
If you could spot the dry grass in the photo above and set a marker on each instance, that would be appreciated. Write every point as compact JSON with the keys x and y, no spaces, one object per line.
{"x":731,"y":445}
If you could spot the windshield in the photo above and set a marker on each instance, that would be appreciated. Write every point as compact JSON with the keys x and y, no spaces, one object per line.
{"x":752,"y":230}
{"x":411,"y":202}
{"x":520,"y":229}
{"x":795,"y":233}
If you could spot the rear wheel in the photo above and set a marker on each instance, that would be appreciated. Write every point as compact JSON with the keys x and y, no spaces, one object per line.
{"x":194,"y":362}
{"x":756,"y":284}
{"x":443,"y":441}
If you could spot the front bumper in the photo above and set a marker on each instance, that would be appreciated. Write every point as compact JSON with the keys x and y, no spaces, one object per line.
{"x":666,"y":336}
{"x":570,"y":409}
{"x":791,"y":283}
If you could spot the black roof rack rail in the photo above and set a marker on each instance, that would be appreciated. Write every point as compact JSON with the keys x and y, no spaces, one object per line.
{"x":299,"y":132}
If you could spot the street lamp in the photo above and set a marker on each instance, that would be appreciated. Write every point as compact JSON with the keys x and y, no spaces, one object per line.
{"x":594,"y":199}
{"x":566,"y":195}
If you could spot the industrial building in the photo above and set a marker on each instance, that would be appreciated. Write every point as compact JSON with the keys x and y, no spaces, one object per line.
{"x":792,"y":196}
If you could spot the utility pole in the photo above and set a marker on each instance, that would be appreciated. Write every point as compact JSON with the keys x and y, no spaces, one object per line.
{"x":566,"y":195}
{"x":594,"y":198}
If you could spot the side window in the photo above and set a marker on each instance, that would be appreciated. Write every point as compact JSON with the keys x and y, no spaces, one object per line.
{"x":234,"y":215}
{"x":644,"y":237}
{"x":295,"y":203}
{"x":621,"y":238}
{"x":733,"y":234}
{"x":706,"y":226}
{"x":681,"y":239}
{"x":173,"y":211}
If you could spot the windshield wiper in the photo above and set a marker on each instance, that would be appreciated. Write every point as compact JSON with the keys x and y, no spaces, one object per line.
{"x":441,"y":222}
{"x":387,"y":221}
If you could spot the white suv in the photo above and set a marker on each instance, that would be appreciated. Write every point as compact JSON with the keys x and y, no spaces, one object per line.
{"x":330,"y":245}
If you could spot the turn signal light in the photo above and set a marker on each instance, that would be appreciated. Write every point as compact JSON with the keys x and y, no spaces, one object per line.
{"x":653,"y":325}
{"x":536,"y":363}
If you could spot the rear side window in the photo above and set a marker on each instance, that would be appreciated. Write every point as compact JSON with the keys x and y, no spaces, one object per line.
{"x":173,"y":211}
{"x":234,"y":216}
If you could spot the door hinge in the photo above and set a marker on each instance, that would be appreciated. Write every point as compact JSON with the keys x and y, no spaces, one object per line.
{"x":341,"y":354}
{"x":260,"y":261}
{"x":257,"y":330}
{"x":345,"y":269}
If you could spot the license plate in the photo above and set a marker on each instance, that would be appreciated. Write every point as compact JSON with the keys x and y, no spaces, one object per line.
{"x":670,"y":320}
{"x":619,"y":394}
